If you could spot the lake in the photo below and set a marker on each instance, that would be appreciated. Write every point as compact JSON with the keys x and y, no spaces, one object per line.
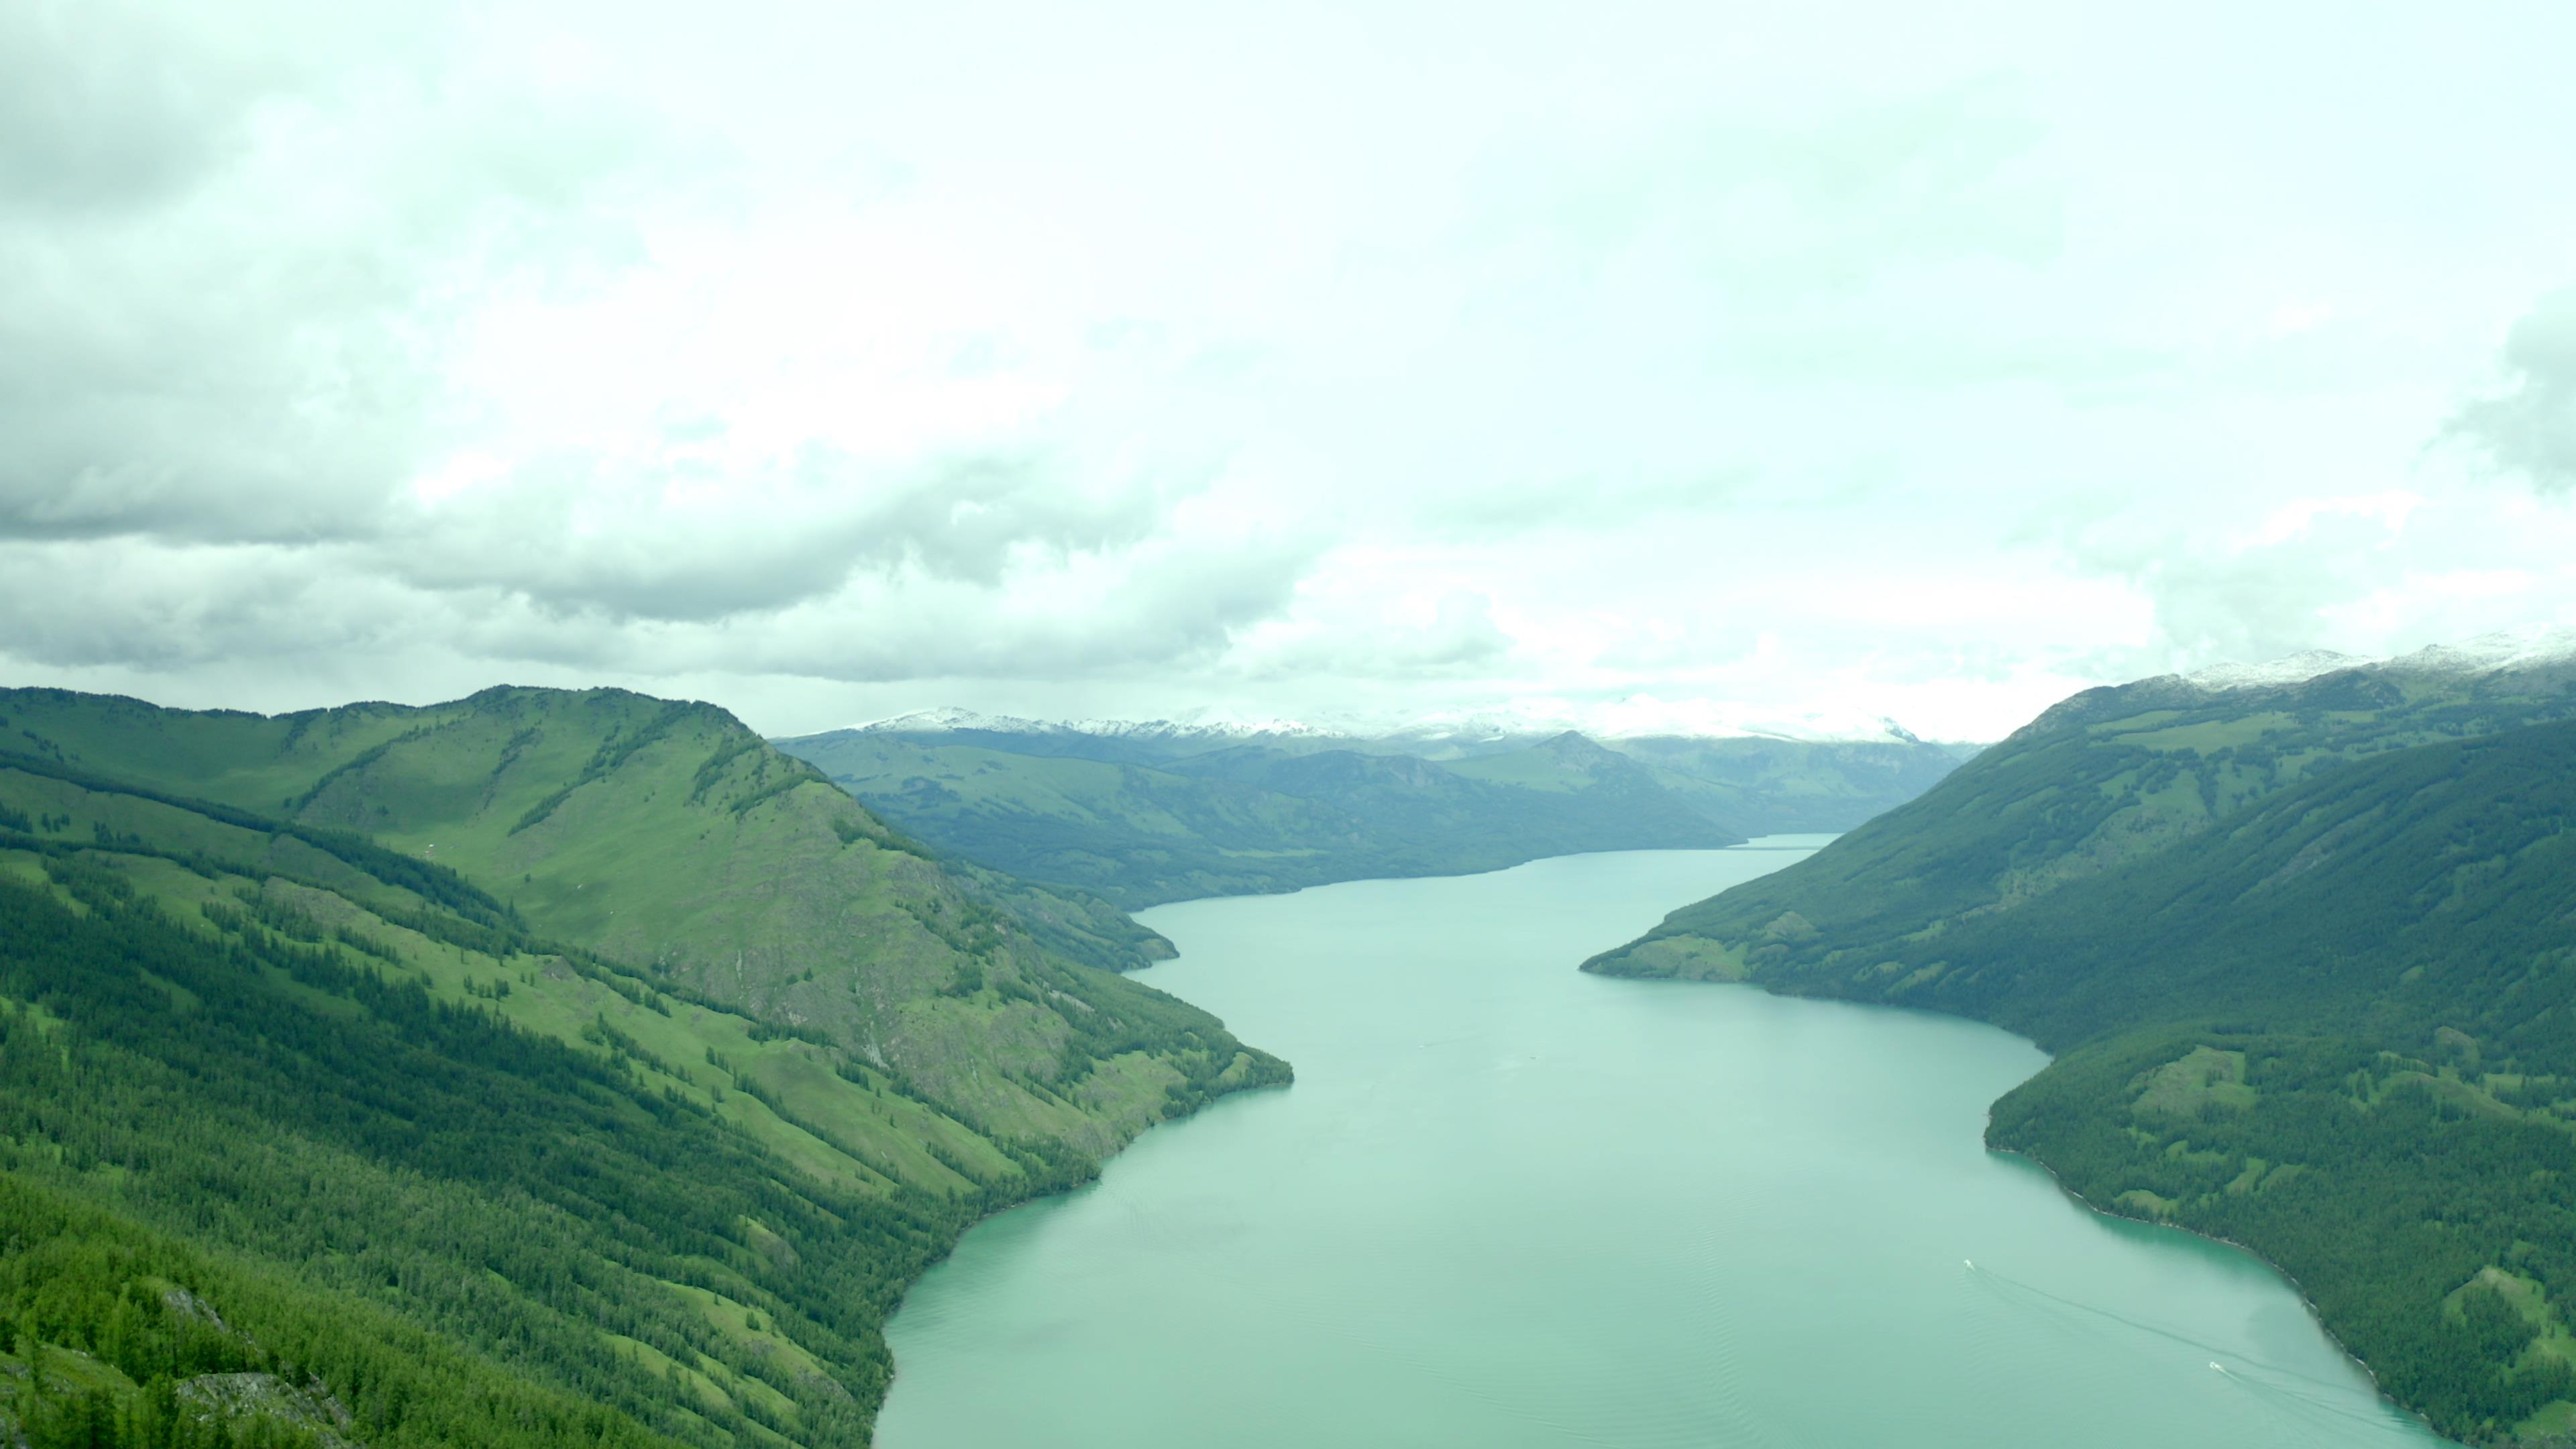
{"x":1507,"y":1204}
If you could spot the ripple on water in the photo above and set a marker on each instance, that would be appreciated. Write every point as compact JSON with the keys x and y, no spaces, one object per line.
{"x":1509,"y":1205}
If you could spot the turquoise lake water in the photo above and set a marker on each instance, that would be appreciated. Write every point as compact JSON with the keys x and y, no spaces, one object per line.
{"x":1507,"y":1204}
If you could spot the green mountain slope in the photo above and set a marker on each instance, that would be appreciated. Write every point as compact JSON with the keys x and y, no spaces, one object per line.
{"x":661,"y":834}
{"x":1256,"y":818}
{"x":1157,"y":812}
{"x":1795,"y":787}
{"x":2332,"y":1024}
{"x":487,"y":1132}
{"x":2109,"y":776}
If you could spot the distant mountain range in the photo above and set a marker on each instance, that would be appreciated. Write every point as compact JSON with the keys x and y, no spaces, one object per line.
{"x":2303,"y":936}
{"x":1143,"y":812}
{"x":1433,"y":735}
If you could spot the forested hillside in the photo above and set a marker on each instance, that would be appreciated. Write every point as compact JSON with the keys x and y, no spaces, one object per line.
{"x":1255,"y":818}
{"x":1144,"y":814}
{"x":2110,"y":776}
{"x":1150,"y":813}
{"x":1796,"y":787}
{"x":2332,"y":1023}
{"x":608,"y":1090}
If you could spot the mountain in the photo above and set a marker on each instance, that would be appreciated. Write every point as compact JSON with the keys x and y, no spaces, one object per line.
{"x":2108,"y":776}
{"x":2300,"y":939}
{"x":1249,"y":818}
{"x":1141,"y":742}
{"x":539,"y":1068}
{"x":1795,"y":787}
{"x":1440,"y":735}
{"x":1450,"y":734}
{"x":1142,"y":813}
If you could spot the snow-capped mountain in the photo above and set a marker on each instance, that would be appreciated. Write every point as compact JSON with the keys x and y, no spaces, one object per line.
{"x":1443,"y":733}
{"x":1635,"y":717}
{"x":1201,"y":724}
{"x":2533,"y":646}
{"x":2288,"y":669}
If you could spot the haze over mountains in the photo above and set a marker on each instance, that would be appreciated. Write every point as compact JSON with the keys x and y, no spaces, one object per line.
{"x":1637,"y":716}
{"x":1150,"y":811}
{"x":2530,"y":647}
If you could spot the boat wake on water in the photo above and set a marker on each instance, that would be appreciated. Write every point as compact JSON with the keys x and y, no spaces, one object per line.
{"x":2298,"y":1395}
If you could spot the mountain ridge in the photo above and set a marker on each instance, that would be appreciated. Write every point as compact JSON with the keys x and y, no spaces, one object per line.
{"x":1246,"y":817}
{"x":1637,"y":716}
{"x":1143,"y":813}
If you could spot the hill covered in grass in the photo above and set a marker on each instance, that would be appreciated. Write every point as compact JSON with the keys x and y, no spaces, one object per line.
{"x":1143,"y":814}
{"x":1252,"y":819}
{"x":2109,"y":777}
{"x":2308,"y":967}
{"x":541,"y":1068}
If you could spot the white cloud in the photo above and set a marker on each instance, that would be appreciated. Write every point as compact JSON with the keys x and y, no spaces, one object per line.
{"x":1125,"y":359}
{"x":2528,"y":427}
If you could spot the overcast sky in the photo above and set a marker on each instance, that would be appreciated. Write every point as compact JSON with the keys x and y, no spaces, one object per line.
{"x":832,"y":360}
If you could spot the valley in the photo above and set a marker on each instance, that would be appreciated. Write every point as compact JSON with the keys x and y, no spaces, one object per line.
{"x":619,"y":1072}
{"x":1144,"y":814}
{"x":1516,"y":1206}
{"x":1657,"y":726}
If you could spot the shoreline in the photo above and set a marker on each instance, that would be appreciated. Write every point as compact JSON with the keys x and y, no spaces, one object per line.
{"x":2296,"y":1288}
{"x":954,"y":1354}
{"x":1013,"y":1205}
{"x":1751,"y":845}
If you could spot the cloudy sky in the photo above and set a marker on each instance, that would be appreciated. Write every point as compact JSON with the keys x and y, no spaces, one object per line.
{"x":833,"y":360}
